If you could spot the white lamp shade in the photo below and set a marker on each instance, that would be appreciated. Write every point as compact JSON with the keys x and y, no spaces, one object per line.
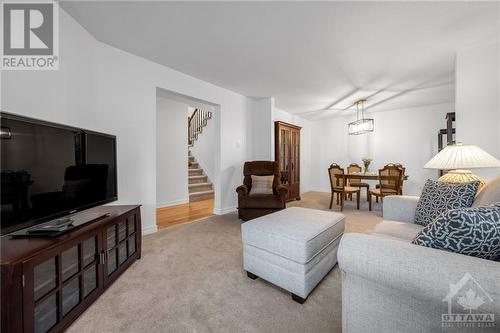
{"x":462,"y":157}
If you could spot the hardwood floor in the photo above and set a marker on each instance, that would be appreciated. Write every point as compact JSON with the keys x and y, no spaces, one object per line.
{"x":169,"y":216}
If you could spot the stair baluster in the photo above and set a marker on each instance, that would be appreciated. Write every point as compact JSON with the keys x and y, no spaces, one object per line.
{"x":196,"y":122}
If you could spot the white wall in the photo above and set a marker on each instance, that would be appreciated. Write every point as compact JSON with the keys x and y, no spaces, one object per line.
{"x":105,"y":89}
{"x":259,"y":125}
{"x":171,"y":153}
{"x":204,"y":148}
{"x":261,"y":135}
{"x":407,"y":136}
{"x":478,"y":100}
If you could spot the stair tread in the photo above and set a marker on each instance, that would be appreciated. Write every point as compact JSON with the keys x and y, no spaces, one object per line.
{"x":201,"y":192}
{"x":200,"y":184}
{"x":197,"y":176}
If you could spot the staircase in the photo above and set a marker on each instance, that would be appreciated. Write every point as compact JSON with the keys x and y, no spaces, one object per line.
{"x":196,"y":122}
{"x":200,"y":187}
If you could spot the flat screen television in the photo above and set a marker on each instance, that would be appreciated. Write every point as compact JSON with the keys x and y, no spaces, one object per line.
{"x":50,"y":170}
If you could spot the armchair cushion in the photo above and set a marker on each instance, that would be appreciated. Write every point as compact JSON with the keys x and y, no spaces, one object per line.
{"x":262,"y":184}
{"x":262,"y":201}
{"x":401,"y":230}
{"x":438,"y":197}
{"x":470,"y":231}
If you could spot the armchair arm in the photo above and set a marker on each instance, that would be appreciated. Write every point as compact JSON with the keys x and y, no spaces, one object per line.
{"x":242,"y":190}
{"x":400,"y":208}
{"x":422,"y":272}
{"x":281,"y":190}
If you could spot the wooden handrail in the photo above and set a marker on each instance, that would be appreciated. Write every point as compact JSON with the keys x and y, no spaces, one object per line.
{"x":196,"y":122}
{"x":191,"y":117}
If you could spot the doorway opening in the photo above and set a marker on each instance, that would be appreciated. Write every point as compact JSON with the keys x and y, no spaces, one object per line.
{"x":187,"y":152}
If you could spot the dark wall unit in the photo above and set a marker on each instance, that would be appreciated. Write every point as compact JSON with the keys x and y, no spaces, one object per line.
{"x":287,"y":154}
{"x":48,"y":282}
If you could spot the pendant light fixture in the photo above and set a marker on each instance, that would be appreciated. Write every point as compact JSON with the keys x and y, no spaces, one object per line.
{"x":362,"y":124}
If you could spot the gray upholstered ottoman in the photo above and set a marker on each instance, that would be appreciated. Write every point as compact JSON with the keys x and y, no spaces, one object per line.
{"x":293,"y":248}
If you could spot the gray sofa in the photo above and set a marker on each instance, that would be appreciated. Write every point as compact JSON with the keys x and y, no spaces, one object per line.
{"x":391,"y":285}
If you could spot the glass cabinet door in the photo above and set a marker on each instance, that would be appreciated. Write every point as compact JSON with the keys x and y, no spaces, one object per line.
{"x":45,"y":277}
{"x":287,"y":154}
{"x":121,"y":244}
{"x":111,"y":249}
{"x":60,"y":283}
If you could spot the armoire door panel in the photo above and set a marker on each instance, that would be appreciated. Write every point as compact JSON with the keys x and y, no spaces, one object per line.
{"x":287,"y":154}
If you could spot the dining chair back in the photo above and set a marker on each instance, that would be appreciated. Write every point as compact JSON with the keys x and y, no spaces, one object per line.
{"x":338,"y":186}
{"x":390,"y":179}
{"x":402,"y":176}
{"x":353,"y":167}
{"x":336,"y":173}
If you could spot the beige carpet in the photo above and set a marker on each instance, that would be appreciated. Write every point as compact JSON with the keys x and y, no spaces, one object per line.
{"x":190,"y":279}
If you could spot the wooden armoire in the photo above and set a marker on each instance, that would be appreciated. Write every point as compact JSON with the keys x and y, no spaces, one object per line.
{"x":287,"y":154}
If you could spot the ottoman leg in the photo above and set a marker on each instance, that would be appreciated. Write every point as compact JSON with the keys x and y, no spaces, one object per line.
{"x":251,"y":275}
{"x":298,"y":299}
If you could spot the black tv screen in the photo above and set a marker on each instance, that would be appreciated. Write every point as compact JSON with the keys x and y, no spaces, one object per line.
{"x":51,"y":170}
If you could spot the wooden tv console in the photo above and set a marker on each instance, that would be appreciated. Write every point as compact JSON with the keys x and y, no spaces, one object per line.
{"x":48,"y":282}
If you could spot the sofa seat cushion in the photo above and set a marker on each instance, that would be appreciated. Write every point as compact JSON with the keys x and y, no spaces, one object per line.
{"x":262,"y":201}
{"x":297,"y":234}
{"x":401,"y":230}
{"x":470,"y":231}
{"x":387,"y":191}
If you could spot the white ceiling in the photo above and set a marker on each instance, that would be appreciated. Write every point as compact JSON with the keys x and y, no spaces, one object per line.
{"x":312,"y":57}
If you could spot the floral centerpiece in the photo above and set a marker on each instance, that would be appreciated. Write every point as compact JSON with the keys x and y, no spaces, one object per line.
{"x":366,"y":162}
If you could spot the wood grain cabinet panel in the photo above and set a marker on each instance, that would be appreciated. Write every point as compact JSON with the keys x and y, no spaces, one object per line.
{"x":48,"y":282}
{"x":287,"y":154}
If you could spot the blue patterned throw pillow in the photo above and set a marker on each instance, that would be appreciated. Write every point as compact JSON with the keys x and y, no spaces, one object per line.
{"x":470,"y":231}
{"x":438,"y":197}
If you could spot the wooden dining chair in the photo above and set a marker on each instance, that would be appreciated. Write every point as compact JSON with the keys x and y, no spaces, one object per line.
{"x":389,"y":183}
{"x":402,"y":178}
{"x":338,"y":186}
{"x":353,"y":167}
{"x":400,"y":192}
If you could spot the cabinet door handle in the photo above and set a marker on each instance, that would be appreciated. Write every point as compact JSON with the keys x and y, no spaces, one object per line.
{"x":102,"y":257}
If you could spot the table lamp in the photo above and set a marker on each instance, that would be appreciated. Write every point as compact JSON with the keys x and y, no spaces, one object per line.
{"x":458,"y":157}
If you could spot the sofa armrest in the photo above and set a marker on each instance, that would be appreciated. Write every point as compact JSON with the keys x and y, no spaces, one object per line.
{"x":242,"y":190}
{"x":400,"y":208}
{"x":281,"y":190}
{"x":422,"y":272}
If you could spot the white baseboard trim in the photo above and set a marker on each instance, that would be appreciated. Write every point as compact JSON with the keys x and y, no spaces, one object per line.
{"x":222,"y":211}
{"x":172,"y":203}
{"x":149,"y":230}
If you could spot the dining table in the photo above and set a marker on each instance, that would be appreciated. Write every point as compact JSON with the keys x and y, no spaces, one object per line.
{"x":367,"y":176}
